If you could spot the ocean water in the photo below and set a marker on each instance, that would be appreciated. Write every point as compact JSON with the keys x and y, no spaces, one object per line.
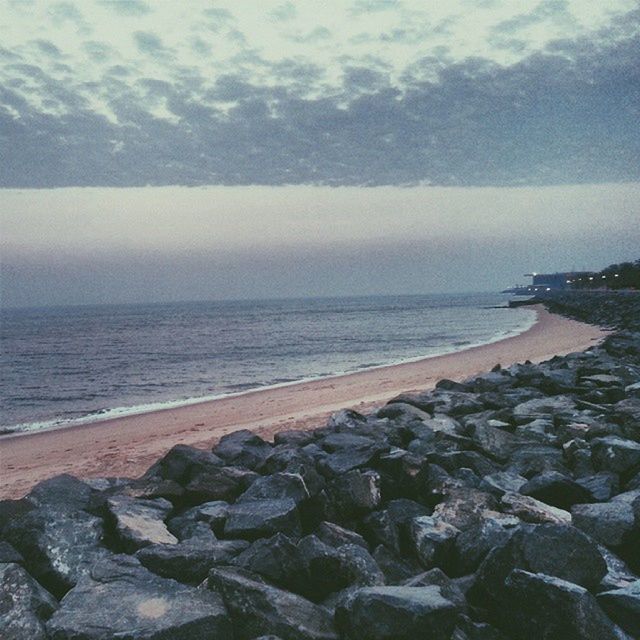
{"x":67,"y":365}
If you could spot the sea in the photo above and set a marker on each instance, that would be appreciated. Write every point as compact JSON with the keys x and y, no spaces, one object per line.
{"x":77,"y":364}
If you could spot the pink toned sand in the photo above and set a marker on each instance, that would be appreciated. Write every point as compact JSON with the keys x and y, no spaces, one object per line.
{"x":127,"y":446}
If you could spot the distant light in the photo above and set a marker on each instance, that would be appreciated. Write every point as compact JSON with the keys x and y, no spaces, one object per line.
{"x":604,"y":276}
{"x":534,"y":273}
{"x":548,"y":288}
{"x":617,"y":275}
{"x":590,"y":277}
{"x":568,"y":281}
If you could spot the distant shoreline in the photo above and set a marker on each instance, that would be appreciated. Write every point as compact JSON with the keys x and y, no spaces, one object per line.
{"x":117,"y":413}
{"x":127,"y":445}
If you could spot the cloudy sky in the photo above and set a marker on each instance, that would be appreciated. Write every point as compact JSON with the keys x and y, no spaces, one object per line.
{"x":167,"y":150}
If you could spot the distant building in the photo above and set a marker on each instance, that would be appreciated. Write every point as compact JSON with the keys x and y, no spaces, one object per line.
{"x":559,"y":281}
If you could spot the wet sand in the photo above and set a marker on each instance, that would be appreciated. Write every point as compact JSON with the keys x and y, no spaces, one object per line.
{"x":127,"y":446}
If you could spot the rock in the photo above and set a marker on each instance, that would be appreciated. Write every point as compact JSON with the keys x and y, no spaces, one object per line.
{"x":389,"y":526}
{"x":9,"y":554}
{"x":58,"y":545}
{"x":463,"y":507}
{"x":329,"y":570}
{"x":242,"y":448}
{"x":355,"y":493}
{"x":601,"y":486}
{"x":548,"y":406}
{"x":335,"y":536}
{"x":182,"y":463}
{"x":24,"y":605}
{"x":121,"y":599}
{"x":616,"y":455}
{"x":190,"y":560}
{"x":296,"y":438}
{"x":436,"y":577}
{"x":618,"y":574}
{"x":611,"y":523}
{"x":501,"y":482}
{"x":433,"y":541}
{"x":495,"y":443}
{"x":541,"y":606}
{"x":139,"y":523}
{"x":396,"y":613}
{"x":63,"y":491}
{"x":277,"y":559}
{"x":556,"y":550}
{"x":277,"y":487}
{"x":396,"y":570}
{"x":347,"y":459}
{"x":623,"y":607}
{"x":262,"y":518}
{"x":213,"y":513}
{"x":259,"y":609}
{"x":472,"y":545}
{"x":529,"y":509}
{"x":531,"y":459}
{"x":218,"y":483}
{"x":555,"y":489}
{"x":467,"y":629}
{"x":346,"y":418}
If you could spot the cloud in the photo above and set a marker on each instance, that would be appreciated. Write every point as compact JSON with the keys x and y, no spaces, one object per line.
{"x":284,"y":12}
{"x":567,"y":114}
{"x":368,"y":6}
{"x":48,"y":48}
{"x":151,"y":44}
{"x":127,"y":7}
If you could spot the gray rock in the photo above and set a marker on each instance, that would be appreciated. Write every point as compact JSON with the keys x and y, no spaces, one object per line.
{"x":243,"y":448}
{"x":355,"y":493}
{"x":121,"y":599}
{"x":472,"y":545}
{"x":9,"y":554}
{"x":139,"y":523}
{"x":182,"y":463}
{"x":623,"y":607}
{"x":63,"y":491}
{"x":218,"y":483}
{"x":24,"y":605}
{"x":495,"y":443}
{"x":259,"y":609}
{"x":601,"y":486}
{"x":529,"y":509}
{"x":501,"y":482}
{"x":335,"y":535}
{"x":278,"y":560}
{"x":58,"y":545}
{"x":616,"y":454}
{"x":396,"y":613}
{"x":212,"y":513}
{"x":262,"y":518}
{"x":190,"y":560}
{"x":555,"y":489}
{"x":433,"y":541}
{"x":548,"y":406}
{"x":611,"y":523}
{"x":277,"y":486}
{"x":540,"y":606}
{"x":556,"y":550}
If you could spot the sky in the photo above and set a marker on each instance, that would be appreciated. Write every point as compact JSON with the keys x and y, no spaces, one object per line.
{"x":223,"y":149}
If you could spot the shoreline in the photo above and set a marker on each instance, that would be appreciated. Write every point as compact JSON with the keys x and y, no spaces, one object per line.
{"x":128,"y":445}
{"x":117,"y":413}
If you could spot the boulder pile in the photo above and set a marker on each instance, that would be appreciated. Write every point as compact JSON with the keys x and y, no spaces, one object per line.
{"x":503,"y":507}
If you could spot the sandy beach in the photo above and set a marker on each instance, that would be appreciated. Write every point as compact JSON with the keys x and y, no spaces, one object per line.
{"x":127,"y":446}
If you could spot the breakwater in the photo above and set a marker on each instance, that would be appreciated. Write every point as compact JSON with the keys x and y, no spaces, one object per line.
{"x":505,"y":506}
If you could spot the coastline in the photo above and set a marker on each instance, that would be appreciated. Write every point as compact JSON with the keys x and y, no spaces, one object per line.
{"x":128,"y":445}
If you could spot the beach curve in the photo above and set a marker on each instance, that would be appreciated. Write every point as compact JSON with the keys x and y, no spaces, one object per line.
{"x":128,"y":445}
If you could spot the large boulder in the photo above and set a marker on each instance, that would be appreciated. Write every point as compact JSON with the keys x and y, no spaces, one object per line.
{"x":189,"y":561}
{"x":616,"y":454}
{"x":139,"y":523}
{"x":262,"y":518}
{"x":433,"y":541}
{"x":260,"y":609}
{"x":556,"y":550}
{"x":623,"y":607}
{"x":397,"y":613}
{"x":243,"y":448}
{"x":277,"y":486}
{"x":121,"y":599}
{"x":58,"y":545}
{"x":539,"y":606}
{"x":555,"y":489}
{"x":24,"y":605}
